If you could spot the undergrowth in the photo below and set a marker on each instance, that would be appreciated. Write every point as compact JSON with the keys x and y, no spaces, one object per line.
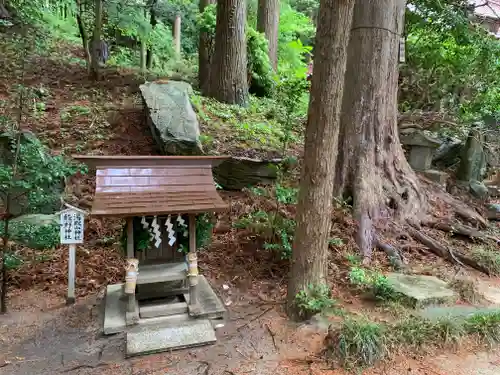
{"x":488,"y":258}
{"x":373,"y":282}
{"x":256,"y":126}
{"x":359,"y":342}
{"x":467,"y":290}
{"x":314,"y":299}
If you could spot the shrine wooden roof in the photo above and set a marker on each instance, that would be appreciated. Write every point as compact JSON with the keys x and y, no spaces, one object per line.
{"x":154,"y":185}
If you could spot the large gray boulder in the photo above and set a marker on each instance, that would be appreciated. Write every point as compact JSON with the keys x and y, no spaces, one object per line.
{"x":171,"y":117}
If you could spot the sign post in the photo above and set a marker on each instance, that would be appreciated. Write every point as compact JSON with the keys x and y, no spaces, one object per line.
{"x":72,"y":229}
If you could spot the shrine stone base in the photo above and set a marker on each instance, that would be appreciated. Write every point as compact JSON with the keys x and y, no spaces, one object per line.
{"x":161,"y":318}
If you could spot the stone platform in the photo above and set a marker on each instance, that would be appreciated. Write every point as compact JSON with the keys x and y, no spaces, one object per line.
{"x":210,"y":307}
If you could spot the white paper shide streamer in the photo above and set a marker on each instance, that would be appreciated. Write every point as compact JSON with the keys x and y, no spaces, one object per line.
{"x":170,"y":231}
{"x":182,"y":223}
{"x":156,"y":232}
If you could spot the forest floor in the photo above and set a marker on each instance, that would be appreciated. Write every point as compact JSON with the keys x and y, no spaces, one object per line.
{"x":40,"y":335}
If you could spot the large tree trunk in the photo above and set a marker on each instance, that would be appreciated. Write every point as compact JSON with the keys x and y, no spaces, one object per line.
{"x":228,"y":74}
{"x":310,"y":245}
{"x":96,"y":40}
{"x":205,"y":53}
{"x":268,"y":23}
{"x":371,"y":167}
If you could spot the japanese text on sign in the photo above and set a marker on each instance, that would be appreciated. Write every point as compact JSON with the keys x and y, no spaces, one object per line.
{"x":72,"y":225}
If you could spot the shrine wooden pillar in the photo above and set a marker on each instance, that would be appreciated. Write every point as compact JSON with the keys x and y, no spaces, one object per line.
{"x":132,"y":313}
{"x":192,"y":265}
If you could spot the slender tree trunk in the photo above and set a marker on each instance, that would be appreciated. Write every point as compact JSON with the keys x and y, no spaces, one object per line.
{"x":268,"y":23}
{"x":96,"y":39}
{"x":143,"y":56}
{"x":205,"y":53}
{"x":83,"y":34}
{"x":177,"y":36}
{"x":153,"y":22}
{"x":3,"y":295}
{"x":143,"y":48}
{"x":228,"y":74}
{"x":371,"y":167}
{"x":310,"y":245}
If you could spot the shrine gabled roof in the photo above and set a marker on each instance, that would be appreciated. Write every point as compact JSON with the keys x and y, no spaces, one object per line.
{"x":154,"y":185}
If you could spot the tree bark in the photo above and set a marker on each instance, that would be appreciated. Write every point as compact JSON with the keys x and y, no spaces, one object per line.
{"x":310,"y":245}
{"x":371,"y":166}
{"x":143,"y":56}
{"x":153,"y":22}
{"x":268,"y":23}
{"x":205,"y":53}
{"x":83,"y":33}
{"x":96,"y":40}
{"x":228,"y":76}
{"x":177,"y":36}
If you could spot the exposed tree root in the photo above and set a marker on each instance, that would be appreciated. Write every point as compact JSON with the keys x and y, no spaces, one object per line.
{"x":457,"y":228}
{"x":393,"y":253}
{"x":445,"y":252}
{"x":465,"y":213}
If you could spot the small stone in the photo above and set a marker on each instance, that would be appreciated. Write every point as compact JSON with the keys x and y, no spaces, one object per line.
{"x":494,"y":211}
{"x":478,"y":189}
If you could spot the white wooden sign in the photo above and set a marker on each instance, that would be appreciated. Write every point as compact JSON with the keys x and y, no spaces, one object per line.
{"x":72,"y":226}
{"x":72,"y":230}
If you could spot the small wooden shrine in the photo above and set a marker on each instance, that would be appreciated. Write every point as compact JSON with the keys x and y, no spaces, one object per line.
{"x":160,"y":198}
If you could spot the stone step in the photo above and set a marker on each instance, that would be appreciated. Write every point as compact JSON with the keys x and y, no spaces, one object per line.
{"x":154,"y":310}
{"x":173,"y":335}
{"x":158,"y":273}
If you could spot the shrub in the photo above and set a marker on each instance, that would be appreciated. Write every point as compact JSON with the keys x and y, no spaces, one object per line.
{"x":313,"y":299}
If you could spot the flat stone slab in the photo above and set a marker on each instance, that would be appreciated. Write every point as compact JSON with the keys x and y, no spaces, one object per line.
{"x":435,"y":313}
{"x":155,"y":339}
{"x":114,"y":310}
{"x":421,"y":290}
{"x":210,"y":306}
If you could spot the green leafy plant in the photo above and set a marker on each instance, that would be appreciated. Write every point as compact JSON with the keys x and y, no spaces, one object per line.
{"x":258,"y":63}
{"x":488,"y":258}
{"x":34,"y":236}
{"x":485,"y":326}
{"x":358,"y":342}
{"x":276,"y":230}
{"x":374,"y":282}
{"x":29,"y":175}
{"x":314,"y":299}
